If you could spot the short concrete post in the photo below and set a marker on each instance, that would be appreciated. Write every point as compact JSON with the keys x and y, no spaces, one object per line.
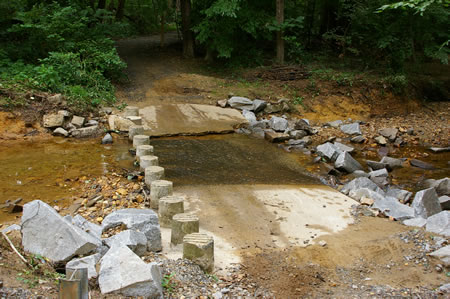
{"x":144,"y":150}
{"x":158,"y":189}
{"x":183,"y":224}
{"x":199,"y":248}
{"x":153,"y":173}
{"x":137,"y":120}
{"x":141,"y":140}
{"x":80,"y":277}
{"x":131,"y":111}
{"x":146,"y":161}
{"x":169,"y":206}
{"x":135,"y":130}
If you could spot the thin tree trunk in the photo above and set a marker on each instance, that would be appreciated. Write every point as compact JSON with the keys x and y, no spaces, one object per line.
{"x":280,"y":40}
{"x":163,"y":21}
{"x":101,"y":4}
{"x":188,"y":37}
{"x":120,"y":10}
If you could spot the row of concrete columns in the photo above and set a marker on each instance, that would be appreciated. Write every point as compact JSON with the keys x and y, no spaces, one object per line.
{"x":197,"y":246}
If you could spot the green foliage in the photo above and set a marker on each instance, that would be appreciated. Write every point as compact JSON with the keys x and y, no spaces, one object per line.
{"x":168,"y":283}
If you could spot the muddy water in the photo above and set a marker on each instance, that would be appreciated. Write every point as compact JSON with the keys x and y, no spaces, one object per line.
{"x":229,"y":159}
{"x":52,"y":171}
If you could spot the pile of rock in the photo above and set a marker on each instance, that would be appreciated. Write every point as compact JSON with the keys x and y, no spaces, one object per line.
{"x":77,"y":243}
{"x":64,"y":124}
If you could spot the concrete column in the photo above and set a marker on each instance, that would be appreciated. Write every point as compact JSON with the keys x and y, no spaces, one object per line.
{"x":169,"y":206}
{"x":147,"y":161}
{"x":137,"y":120}
{"x":131,"y":111}
{"x":183,"y":224}
{"x":158,"y":189}
{"x":141,"y":140}
{"x":144,"y":150}
{"x":153,"y":173}
{"x":199,"y":248}
{"x":135,"y":130}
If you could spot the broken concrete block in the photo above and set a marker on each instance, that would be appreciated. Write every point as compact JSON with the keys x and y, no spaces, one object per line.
{"x":135,"y":240}
{"x":46,"y":233}
{"x":135,"y":130}
{"x":131,"y":111}
{"x":141,"y":140}
{"x":426,"y":203}
{"x":159,"y":189}
{"x":142,"y":220}
{"x":88,"y":262}
{"x":153,"y":173}
{"x":148,"y":161}
{"x":199,"y":248}
{"x":439,"y":223}
{"x":123,"y":272}
{"x":169,"y":206}
{"x":77,"y":121}
{"x":183,"y":224}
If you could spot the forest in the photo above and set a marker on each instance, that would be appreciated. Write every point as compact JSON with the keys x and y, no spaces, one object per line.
{"x":67,"y":46}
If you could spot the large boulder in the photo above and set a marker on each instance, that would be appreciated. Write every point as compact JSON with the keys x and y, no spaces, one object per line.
{"x":123,"y":272}
{"x":240,"y":103}
{"x":88,"y":262}
{"x":346,"y":162}
{"x":46,"y":233}
{"x":278,"y":124}
{"x":329,"y":151}
{"x":351,"y":129}
{"x":439,"y":223}
{"x":401,"y":195}
{"x":443,"y":255}
{"x":135,"y":240}
{"x":91,"y":228}
{"x":53,"y":120}
{"x":390,"y":207}
{"x":426,"y":203}
{"x":142,"y":220}
{"x":359,"y":194}
{"x":359,"y":183}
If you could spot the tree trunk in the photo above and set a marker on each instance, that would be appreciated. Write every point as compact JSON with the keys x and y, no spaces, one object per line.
{"x":309,"y":20}
{"x":163,"y":21}
{"x":188,"y":37}
{"x":101,"y":4}
{"x":280,"y":40}
{"x":120,"y":10}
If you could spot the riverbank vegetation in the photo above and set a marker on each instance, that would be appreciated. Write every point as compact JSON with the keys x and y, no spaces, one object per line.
{"x":67,"y":46}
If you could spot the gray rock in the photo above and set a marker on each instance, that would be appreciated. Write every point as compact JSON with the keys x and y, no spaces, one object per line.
{"x":56,"y":99}
{"x":346,"y":162}
{"x":390,"y":133}
{"x":53,"y":120}
{"x":445,"y":202}
{"x":358,"y":139}
{"x":334,"y":124}
{"x":392,"y":163}
{"x":381,"y":140}
{"x":77,"y":121}
{"x":46,"y":233}
{"x":60,"y":132}
{"x":358,"y":194}
{"x":443,"y":255}
{"x":390,"y":207}
{"x":64,"y":113}
{"x":273,"y":108}
{"x":142,"y":220}
{"x":376,"y":165}
{"x":303,"y":124}
{"x":106,"y":110}
{"x":91,"y":123}
{"x":360,"y":183}
{"x":440,"y":149}
{"x":250,"y":116}
{"x":421,"y":164}
{"x":443,"y":186}
{"x":93,"y":229}
{"x":378,"y":173}
{"x":445,"y":288}
{"x":240,"y":103}
{"x":123,"y":272}
{"x":89,"y":262}
{"x":329,"y":151}
{"x":278,"y":124}
{"x":222,"y":103}
{"x":360,"y":174}
{"x":403,"y":196}
{"x":107,"y":139}
{"x":426,"y":203}
{"x":86,"y":132}
{"x":259,"y":105}
{"x":439,"y":223}
{"x":343,"y":147}
{"x":272,"y":136}
{"x":135,"y":240}
{"x":11,"y":228}
{"x":298,"y":134}
{"x":351,"y":129}
{"x":418,"y":222}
